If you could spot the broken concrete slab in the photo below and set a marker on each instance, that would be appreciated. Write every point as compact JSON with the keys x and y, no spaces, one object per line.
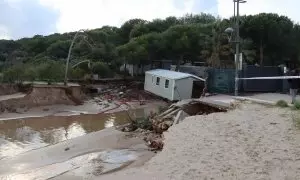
{"x":259,"y":101}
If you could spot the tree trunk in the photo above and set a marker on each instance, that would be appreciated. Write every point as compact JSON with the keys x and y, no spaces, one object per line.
{"x":132,"y":75}
{"x":261,"y":50}
{"x":150,"y":60}
{"x":178,"y":62}
{"x":125,"y":69}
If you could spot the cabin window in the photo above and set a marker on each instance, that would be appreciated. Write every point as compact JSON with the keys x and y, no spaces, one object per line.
{"x":157,"y":81}
{"x":167,"y":82}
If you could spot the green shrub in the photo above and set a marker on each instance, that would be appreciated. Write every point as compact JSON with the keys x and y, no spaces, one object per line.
{"x":142,"y":123}
{"x":297,"y":105}
{"x":51,"y":71}
{"x":282,"y":103}
{"x":14,"y":74}
{"x":77,"y":73}
{"x":30,"y":73}
{"x":102,"y":70}
{"x":25,"y":88}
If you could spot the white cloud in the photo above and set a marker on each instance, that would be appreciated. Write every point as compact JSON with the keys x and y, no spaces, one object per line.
{"x":282,"y":7}
{"x":87,"y":14}
{"x":83,"y":14}
{"x":25,"y":18}
{"x":4,"y":33}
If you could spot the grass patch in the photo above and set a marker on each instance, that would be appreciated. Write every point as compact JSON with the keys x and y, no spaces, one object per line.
{"x":282,"y":103}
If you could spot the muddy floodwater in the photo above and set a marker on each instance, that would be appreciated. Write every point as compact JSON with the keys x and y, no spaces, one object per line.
{"x":21,"y":135}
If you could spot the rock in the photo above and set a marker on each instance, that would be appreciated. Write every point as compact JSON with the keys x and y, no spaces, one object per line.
{"x":139,"y":130}
{"x":168,"y":123}
{"x":156,"y":145}
{"x":160,"y":125}
{"x":129,"y":128}
{"x":152,"y":136}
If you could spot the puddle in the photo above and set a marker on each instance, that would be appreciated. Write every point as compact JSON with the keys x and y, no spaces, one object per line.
{"x":87,"y":166}
{"x":21,"y":135}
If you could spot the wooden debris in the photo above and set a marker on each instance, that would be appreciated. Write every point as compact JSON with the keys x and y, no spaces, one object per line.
{"x":175,"y":114}
{"x":171,"y":114}
{"x":176,"y":121}
{"x":167,"y":112}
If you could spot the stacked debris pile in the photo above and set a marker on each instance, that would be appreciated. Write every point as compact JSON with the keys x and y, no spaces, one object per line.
{"x":139,"y":123}
{"x":179,"y":111}
{"x":173,"y":115}
{"x":125,"y":92}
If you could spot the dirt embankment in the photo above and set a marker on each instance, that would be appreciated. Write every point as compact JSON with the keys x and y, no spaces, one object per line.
{"x":43,"y":96}
{"x":6,"y":89}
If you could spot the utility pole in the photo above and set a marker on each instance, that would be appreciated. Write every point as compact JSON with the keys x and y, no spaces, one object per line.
{"x":237,"y":41}
{"x":234,"y":37}
{"x":237,"y":48}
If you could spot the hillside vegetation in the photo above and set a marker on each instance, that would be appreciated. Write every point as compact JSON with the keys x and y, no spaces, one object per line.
{"x":267,"y":39}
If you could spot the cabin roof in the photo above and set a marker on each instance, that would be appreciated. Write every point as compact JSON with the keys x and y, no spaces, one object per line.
{"x":172,"y":74}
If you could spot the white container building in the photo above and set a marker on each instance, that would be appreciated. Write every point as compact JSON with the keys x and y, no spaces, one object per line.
{"x":171,"y":85}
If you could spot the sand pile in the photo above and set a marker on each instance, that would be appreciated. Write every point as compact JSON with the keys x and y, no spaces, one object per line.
{"x":252,"y":142}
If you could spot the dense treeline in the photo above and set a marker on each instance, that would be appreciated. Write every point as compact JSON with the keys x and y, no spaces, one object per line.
{"x":266,"y":39}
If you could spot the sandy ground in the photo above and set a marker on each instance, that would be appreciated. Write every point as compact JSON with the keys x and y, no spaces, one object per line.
{"x":274,"y":97}
{"x":251,"y":142}
{"x":12,"y":96}
{"x":269,"y":97}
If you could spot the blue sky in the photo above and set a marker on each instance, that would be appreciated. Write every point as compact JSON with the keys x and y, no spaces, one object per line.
{"x":25,"y":18}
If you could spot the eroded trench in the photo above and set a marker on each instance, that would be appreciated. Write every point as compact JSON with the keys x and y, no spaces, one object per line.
{"x":153,"y":127}
{"x":201,"y":108}
{"x":179,"y":111}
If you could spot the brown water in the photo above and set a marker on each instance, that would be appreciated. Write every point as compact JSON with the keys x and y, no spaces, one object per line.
{"x":21,"y":135}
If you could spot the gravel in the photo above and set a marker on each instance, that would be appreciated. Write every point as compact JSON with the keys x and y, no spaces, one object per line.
{"x":252,"y":142}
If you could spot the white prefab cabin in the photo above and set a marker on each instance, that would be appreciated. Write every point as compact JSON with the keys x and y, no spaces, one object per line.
{"x":171,"y":85}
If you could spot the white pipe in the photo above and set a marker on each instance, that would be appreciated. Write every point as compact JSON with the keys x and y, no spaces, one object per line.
{"x":272,"y":77}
